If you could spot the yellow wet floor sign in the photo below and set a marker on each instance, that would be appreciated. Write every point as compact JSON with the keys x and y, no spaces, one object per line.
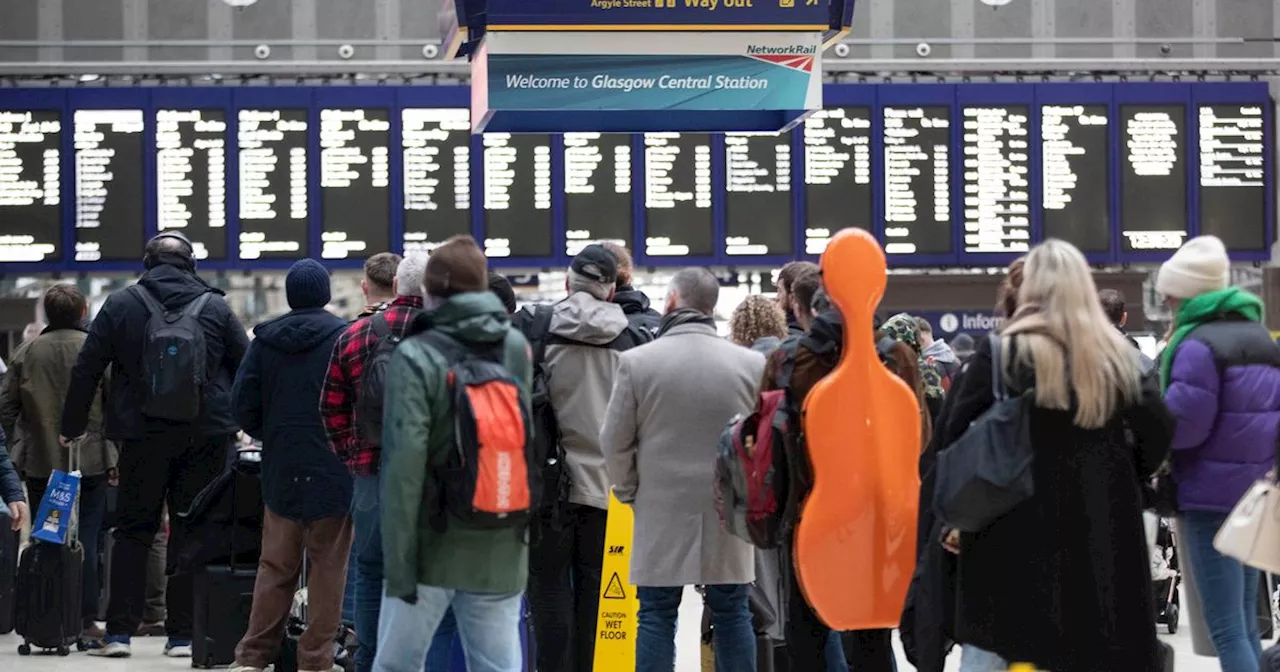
{"x":616,"y":625}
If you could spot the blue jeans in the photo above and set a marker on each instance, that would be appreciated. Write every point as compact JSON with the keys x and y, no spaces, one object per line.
{"x":833,"y":653}
{"x":488,"y":623}
{"x":973,"y":659}
{"x":440,"y":657}
{"x":366,"y":515}
{"x":735,"y":640}
{"x":349,"y":591}
{"x":1228,"y":594}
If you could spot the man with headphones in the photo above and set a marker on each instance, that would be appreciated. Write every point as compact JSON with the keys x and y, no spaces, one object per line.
{"x":174,"y":432}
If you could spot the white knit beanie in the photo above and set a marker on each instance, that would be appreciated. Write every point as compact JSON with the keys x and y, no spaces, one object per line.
{"x":1200,"y":266}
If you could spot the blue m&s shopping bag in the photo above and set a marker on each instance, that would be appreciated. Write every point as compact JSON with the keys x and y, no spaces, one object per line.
{"x":53,"y":520}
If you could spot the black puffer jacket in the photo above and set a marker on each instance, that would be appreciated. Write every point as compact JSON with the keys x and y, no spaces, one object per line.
{"x":277,"y":397}
{"x":116,"y":339}
{"x":636,"y":306}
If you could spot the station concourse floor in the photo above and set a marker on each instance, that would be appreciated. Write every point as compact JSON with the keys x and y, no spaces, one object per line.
{"x":147,"y":652}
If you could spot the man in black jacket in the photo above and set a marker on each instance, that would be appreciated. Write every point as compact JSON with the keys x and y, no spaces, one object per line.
{"x":161,"y":461}
{"x":635,"y":304}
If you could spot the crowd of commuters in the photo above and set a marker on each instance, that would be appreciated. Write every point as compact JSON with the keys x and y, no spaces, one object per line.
{"x":353,"y":476}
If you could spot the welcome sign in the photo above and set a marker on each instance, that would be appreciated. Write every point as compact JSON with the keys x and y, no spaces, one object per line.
{"x":719,"y":82}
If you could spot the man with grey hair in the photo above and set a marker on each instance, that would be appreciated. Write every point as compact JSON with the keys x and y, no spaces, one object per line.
{"x":576,"y":344}
{"x":361,"y":453}
{"x":669,"y":404}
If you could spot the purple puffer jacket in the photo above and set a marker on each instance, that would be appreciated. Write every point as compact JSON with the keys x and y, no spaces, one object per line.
{"x":1224,"y":390}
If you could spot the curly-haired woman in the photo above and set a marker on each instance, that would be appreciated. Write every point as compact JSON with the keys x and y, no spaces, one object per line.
{"x":759,"y":324}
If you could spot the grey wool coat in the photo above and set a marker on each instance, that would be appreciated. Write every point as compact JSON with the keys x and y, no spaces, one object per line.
{"x":671,"y":399}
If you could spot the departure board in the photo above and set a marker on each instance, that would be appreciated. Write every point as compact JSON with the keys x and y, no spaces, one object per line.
{"x":1153,"y":178}
{"x":273,"y":183}
{"x":997,"y":178}
{"x":1233,"y":185}
{"x":917,"y":180}
{"x":191,"y":178}
{"x":517,"y":195}
{"x":677,"y":194}
{"x":30,"y":185}
{"x":1076,"y":175}
{"x":837,"y":174}
{"x":597,"y":189}
{"x":109,"y":184}
{"x":437,"y":176}
{"x":757,"y":204}
{"x":355,"y":182}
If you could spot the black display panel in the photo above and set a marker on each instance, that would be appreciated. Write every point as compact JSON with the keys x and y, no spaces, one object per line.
{"x":677,"y":194}
{"x":1076,"y":175}
{"x":517,"y":195}
{"x":757,"y":203}
{"x":837,"y":174}
{"x":355,"y":182}
{"x":109,"y":185}
{"x":1153,"y":178}
{"x":597,"y":189}
{"x":30,"y":191}
{"x":1233,"y":185}
{"x":273,"y":183}
{"x":997,"y":178}
{"x":917,"y":180}
{"x":191,"y":177}
{"x":437,"y":176}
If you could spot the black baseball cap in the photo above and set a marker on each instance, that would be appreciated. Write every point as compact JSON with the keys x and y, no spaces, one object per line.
{"x":597,"y":263}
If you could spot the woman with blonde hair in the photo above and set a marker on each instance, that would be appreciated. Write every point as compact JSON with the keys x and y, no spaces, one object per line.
{"x":1062,"y":580}
{"x":758,"y":323}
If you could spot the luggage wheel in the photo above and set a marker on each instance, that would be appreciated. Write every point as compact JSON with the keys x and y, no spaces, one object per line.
{"x":1171,"y":620}
{"x":24,"y":649}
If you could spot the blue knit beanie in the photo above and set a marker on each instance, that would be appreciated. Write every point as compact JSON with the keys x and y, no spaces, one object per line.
{"x":307,"y":285}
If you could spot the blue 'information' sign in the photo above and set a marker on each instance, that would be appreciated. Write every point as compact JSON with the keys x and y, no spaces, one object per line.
{"x":801,"y":15}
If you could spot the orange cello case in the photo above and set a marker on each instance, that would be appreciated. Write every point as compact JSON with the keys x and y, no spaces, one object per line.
{"x":855,"y":547}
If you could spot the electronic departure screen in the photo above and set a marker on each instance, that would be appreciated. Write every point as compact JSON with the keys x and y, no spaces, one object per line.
{"x":1075,"y":175}
{"x":191,"y":177}
{"x":437,"y":176}
{"x":758,"y":194}
{"x":517,"y":195}
{"x":273,"y":183}
{"x":837,"y":174}
{"x":597,"y":189}
{"x":917,"y":170}
{"x":109,"y":184}
{"x":997,"y":178}
{"x":1233,"y":186}
{"x":1153,"y":178}
{"x":677,"y":194}
{"x":355,"y":182}
{"x":30,"y":191}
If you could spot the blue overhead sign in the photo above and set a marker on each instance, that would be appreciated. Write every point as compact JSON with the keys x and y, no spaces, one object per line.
{"x":662,"y":15}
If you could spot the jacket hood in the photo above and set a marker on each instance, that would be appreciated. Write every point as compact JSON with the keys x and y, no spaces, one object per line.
{"x":175,"y":287}
{"x":476,"y":317}
{"x":633,"y":301}
{"x":828,"y":328}
{"x":299,"y":330}
{"x":586,"y":319}
{"x":941,"y":352}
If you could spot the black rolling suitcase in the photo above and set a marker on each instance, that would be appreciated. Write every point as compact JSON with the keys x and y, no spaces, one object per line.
{"x":8,"y":575}
{"x":222,"y":603}
{"x":50,"y":586}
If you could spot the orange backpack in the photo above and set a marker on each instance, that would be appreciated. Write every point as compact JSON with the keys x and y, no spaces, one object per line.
{"x":488,"y":481}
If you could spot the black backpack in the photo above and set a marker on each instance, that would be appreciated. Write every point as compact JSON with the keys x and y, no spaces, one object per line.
{"x":373,"y":380}
{"x":491,"y":479}
{"x":548,"y":453}
{"x":174,"y":357}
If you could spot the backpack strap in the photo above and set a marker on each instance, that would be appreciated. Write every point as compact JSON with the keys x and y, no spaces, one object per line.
{"x":539,"y":330}
{"x":378,"y":323}
{"x":997,"y":364}
{"x":193,"y":309}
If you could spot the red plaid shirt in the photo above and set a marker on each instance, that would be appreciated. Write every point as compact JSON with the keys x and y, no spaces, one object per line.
{"x":341,"y":385}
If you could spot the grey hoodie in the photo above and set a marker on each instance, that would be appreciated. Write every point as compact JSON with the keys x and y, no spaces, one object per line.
{"x":586,"y":337}
{"x":941,"y":352}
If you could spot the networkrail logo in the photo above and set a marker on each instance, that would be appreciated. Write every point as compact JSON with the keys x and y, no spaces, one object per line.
{"x":795,"y":57}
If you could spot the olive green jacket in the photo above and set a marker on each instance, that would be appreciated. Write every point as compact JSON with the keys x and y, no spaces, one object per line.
{"x":417,"y":437}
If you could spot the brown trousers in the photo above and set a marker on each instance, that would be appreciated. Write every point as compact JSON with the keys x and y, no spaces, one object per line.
{"x":328,"y":544}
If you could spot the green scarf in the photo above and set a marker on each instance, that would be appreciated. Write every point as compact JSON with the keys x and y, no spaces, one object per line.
{"x":1204,"y":309}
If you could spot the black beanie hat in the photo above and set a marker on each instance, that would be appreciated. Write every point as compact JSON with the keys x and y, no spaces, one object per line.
{"x":307,"y":285}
